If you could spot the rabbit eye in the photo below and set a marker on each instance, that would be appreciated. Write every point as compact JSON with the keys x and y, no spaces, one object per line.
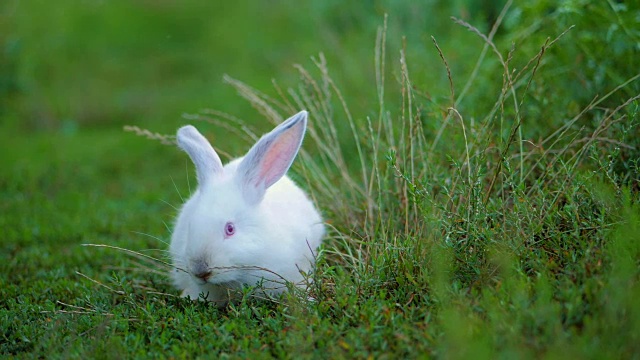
{"x":229,"y":229}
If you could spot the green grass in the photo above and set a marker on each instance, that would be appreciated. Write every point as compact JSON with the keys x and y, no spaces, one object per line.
{"x":473,"y":213}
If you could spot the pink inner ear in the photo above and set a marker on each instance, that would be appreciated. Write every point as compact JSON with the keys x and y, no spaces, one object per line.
{"x":276,"y":161}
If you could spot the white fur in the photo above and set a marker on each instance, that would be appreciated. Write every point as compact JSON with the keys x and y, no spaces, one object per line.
{"x":278,"y":229}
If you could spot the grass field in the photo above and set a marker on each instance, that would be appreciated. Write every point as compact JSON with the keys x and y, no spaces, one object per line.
{"x":480,"y":182}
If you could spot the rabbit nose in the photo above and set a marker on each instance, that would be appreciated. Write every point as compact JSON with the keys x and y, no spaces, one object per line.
{"x":205,"y":275}
{"x":201,"y":270}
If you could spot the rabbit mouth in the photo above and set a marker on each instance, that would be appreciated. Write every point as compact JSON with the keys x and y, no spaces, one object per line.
{"x":201,"y":272}
{"x":208,"y":277}
{"x":202,"y":277}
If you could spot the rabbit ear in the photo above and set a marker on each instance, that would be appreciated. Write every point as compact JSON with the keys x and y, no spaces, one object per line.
{"x":270,"y":158}
{"x":207,"y":162}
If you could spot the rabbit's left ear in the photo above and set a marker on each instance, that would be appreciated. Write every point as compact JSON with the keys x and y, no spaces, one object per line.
{"x":207,"y":161}
{"x":270,"y":158}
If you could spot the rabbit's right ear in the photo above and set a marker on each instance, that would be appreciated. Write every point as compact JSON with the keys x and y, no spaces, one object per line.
{"x":206,"y":159}
{"x":270,"y":158}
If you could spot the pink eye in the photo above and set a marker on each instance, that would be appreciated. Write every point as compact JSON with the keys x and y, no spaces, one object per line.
{"x":229,"y":229}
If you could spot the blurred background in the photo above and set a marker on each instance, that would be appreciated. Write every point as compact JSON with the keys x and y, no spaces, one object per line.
{"x":76,"y":64}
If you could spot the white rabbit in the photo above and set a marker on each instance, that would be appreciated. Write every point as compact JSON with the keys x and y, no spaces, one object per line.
{"x":247,"y":223}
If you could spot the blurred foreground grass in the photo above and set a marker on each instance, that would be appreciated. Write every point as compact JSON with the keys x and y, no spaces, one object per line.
{"x":511,"y":229}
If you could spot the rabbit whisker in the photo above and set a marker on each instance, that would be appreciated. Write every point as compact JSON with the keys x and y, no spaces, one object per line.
{"x":167,"y":227}
{"x":136,"y":254}
{"x":168,"y":203}
{"x":176,"y":187}
{"x":151,"y":236}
